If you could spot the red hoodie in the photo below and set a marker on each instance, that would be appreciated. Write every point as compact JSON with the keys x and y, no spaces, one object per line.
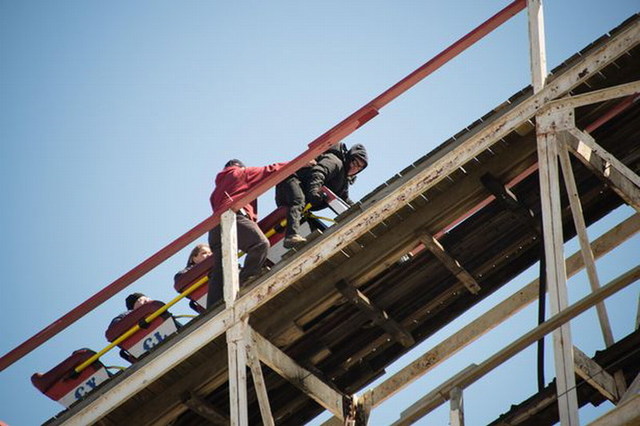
{"x":233,"y":182}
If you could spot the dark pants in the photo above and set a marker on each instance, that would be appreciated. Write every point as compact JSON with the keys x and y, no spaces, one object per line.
{"x":251,"y":240}
{"x":289,"y":193}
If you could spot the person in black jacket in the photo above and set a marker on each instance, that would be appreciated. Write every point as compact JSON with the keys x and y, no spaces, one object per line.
{"x":335,"y":169}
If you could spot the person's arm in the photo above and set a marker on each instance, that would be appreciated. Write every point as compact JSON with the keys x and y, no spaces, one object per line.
{"x":325,"y":169}
{"x":255,"y":175}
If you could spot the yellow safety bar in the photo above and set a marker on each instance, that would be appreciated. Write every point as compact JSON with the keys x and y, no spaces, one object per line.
{"x":136,"y":327}
{"x":175,"y":300}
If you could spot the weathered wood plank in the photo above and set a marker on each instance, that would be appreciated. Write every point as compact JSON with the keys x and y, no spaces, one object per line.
{"x":450,"y":263}
{"x":205,"y":409}
{"x":623,"y":181}
{"x":258,"y":381}
{"x":585,"y":248}
{"x":595,"y":375}
{"x":303,"y":379}
{"x":555,"y":265}
{"x":377,"y":315}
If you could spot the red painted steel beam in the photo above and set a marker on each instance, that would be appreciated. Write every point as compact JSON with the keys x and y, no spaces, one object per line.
{"x":316,"y":147}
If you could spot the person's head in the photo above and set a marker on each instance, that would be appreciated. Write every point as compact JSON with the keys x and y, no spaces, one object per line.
{"x":234,"y":162}
{"x":198,"y":254}
{"x":135,"y":300}
{"x":357,"y":159}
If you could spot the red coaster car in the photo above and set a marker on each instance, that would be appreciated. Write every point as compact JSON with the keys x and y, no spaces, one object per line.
{"x":64,"y":385}
{"x":145,"y":339}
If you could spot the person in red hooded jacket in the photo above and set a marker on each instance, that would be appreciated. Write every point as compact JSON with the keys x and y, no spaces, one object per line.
{"x":234,"y":181}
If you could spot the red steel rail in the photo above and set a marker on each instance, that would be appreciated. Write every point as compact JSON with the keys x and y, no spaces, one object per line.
{"x":316,"y":147}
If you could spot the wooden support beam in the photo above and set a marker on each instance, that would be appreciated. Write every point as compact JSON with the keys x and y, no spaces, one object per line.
{"x":258,"y":381}
{"x":471,"y":374}
{"x":239,"y":412}
{"x":236,"y":333}
{"x":489,"y":320}
{"x":622,"y":180}
{"x":303,"y":379}
{"x":633,"y":390}
{"x":377,"y":315}
{"x":625,"y":414}
{"x":432,"y":400}
{"x":456,"y":410}
{"x":450,"y":263}
{"x":205,"y":409}
{"x":510,"y":202}
{"x":537,"y":48}
{"x":555,"y":264}
{"x":595,"y":375}
{"x":229,"y":246}
{"x":572,"y":102}
{"x":583,"y":238}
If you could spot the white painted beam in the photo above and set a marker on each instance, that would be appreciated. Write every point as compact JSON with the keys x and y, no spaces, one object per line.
{"x":583,"y":238}
{"x":572,"y":102}
{"x":306,"y":381}
{"x":537,"y":48}
{"x":258,"y":381}
{"x":623,"y":180}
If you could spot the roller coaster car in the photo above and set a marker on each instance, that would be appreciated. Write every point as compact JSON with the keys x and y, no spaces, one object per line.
{"x":64,"y":385}
{"x":150,"y":334}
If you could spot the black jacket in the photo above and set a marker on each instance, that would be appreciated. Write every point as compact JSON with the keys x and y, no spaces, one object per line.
{"x":330,"y":171}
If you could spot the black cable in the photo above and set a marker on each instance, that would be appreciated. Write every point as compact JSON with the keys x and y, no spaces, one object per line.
{"x":542,"y":281}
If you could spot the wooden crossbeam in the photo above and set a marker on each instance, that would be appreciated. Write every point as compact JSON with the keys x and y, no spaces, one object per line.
{"x":595,"y":96}
{"x":433,"y":399}
{"x":632,"y":391}
{"x":472,"y":373}
{"x":205,"y":409}
{"x":592,"y":373}
{"x":377,"y":315}
{"x":449,"y":262}
{"x":622,"y":180}
{"x":258,"y":381}
{"x":303,"y":379}
{"x":625,"y":414}
{"x":509,"y":201}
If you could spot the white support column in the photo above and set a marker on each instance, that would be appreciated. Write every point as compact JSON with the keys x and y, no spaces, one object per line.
{"x":236,"y":334}
{"x":258,"y":381}
{"x":229,"y":237}
{"x":547,"y":125}
{"x":537,"y":47}
{"x":456,"y":413}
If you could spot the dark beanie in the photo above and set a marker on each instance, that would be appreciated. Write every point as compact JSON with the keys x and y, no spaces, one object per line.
{"x":132,"y":299}
{"x":358,"y":151}
{"x":234,"y":162}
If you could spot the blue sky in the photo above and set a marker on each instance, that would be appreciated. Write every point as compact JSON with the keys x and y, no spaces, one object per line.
{"x":116,"y":116}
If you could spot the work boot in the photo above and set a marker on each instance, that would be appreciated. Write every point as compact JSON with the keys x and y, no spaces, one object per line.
{"x":293,"y":241}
